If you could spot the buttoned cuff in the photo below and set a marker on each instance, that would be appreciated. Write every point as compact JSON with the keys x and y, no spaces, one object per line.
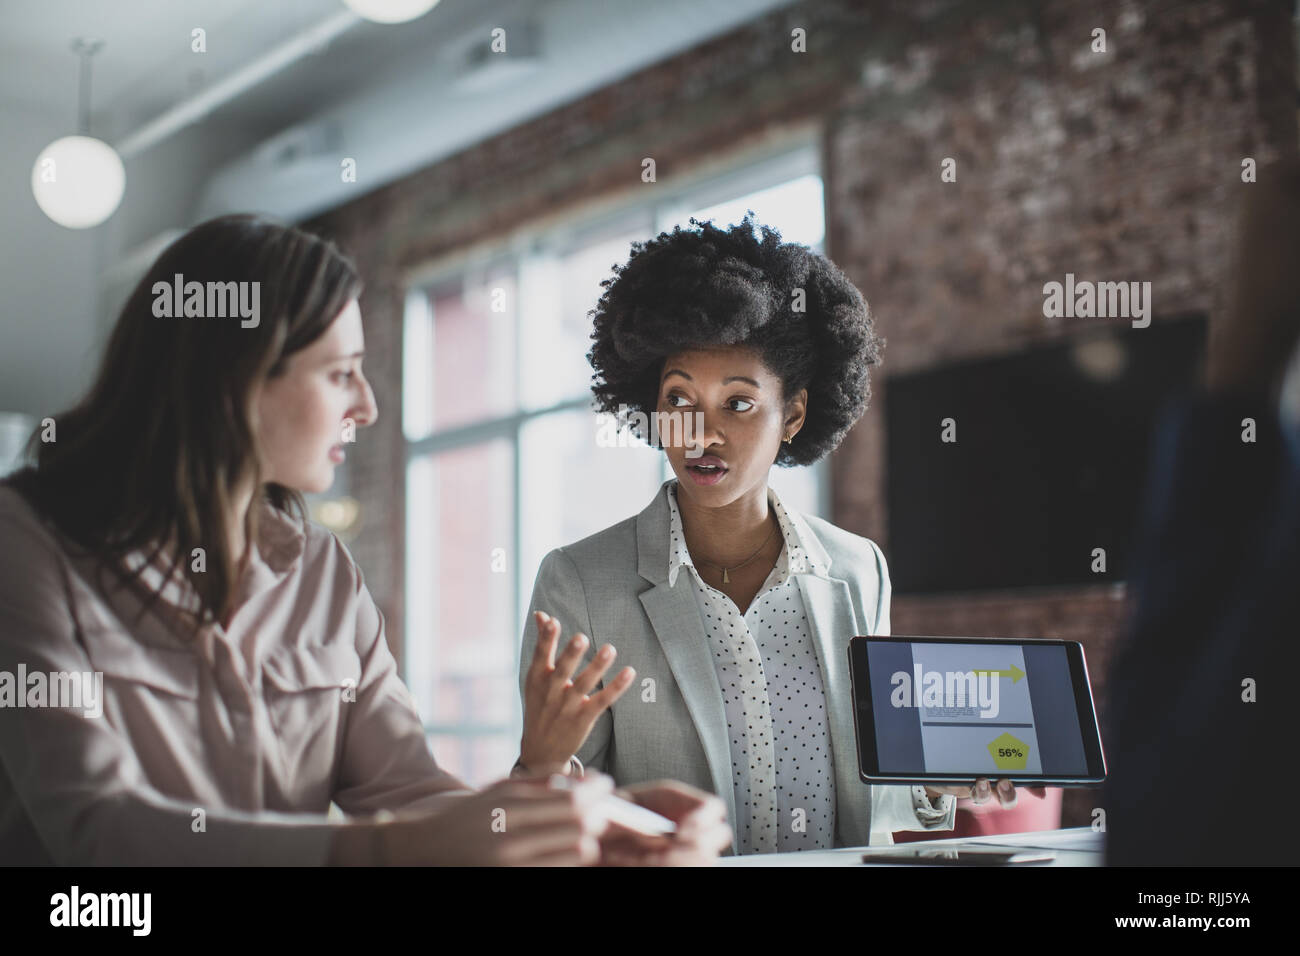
{"x":930,"y":813}
{"x":576,"y":768}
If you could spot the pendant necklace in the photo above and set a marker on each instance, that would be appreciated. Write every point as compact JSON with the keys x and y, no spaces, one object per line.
{"x":726,"y":578}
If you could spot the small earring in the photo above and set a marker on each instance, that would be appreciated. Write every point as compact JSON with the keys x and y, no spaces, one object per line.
{"x":789,"y":439}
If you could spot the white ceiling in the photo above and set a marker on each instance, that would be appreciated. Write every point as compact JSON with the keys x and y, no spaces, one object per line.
{"x":147,"y":66}
{"x":393,"y":97}
{"x":386,"y":90}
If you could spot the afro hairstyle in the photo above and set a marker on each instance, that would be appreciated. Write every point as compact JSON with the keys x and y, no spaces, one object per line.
{"x":706,"y":287}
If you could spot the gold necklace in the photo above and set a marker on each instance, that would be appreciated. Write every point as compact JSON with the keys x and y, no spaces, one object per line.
{"x":726,"y":579}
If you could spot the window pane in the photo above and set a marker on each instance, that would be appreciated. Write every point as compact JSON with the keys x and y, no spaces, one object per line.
{"x":573,"y":487}
{"x":460,"y":609}
{"x":479,"y":348}
{"x":793,"y":208}
{"x":478,"y":760}
{"x":557,"y":293}
{"x":460,"y":359}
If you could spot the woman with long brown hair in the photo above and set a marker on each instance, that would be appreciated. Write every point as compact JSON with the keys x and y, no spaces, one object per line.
{"x":195,"y":671}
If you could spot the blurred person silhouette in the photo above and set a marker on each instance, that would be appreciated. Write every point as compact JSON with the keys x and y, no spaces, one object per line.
{"x":1203,"y":684}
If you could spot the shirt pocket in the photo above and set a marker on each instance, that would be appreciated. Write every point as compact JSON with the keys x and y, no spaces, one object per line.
{"x":305,"y":689}
{"x":150,"y":695}
{"x":131,"y":667}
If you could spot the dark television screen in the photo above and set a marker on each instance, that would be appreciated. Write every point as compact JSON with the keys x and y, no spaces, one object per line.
{"x":1051,"y":452}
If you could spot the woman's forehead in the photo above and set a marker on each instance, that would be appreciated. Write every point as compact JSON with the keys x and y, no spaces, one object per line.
{"x":717,"y":363}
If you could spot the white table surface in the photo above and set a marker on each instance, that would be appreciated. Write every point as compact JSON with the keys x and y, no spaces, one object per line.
{"x":1080,"y":846}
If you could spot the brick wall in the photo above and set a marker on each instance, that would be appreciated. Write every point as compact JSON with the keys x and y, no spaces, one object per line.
{"x":1115,"y":165}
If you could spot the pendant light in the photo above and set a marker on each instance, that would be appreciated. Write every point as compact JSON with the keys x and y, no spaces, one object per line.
{"x":78,"y":181}
{"x":390,"y":11}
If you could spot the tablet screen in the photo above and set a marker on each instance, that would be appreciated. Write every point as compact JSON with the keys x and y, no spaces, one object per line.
{"x":979,"y":709}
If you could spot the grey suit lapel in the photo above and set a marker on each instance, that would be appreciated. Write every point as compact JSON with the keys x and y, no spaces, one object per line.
{"x":675,"y":617}
{"x":833,"y":619}
{"x":833,"y":622}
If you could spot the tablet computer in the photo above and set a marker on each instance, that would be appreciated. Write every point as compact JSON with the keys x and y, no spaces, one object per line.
{"x":950,"y":709}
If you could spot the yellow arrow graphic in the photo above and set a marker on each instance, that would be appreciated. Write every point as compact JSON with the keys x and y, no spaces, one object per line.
{"x":1015,"y":673}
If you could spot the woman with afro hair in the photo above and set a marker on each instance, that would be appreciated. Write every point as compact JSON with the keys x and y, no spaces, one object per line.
{"x":733,"y":611}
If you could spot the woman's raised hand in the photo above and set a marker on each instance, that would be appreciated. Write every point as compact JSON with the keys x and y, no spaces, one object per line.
{"x":559,"y":706}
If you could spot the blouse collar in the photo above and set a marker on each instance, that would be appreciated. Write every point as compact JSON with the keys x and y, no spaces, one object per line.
{"x":280,"y":546}
{"x":796,"y":557}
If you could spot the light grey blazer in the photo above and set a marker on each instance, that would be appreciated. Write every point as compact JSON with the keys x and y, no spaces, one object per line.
{"x":613,"y":587}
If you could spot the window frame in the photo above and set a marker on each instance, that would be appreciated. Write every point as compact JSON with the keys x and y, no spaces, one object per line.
{"x":785,"y":158}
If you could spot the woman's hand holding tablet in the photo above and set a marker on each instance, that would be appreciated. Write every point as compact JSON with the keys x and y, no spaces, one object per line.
{"x":981,"y":792}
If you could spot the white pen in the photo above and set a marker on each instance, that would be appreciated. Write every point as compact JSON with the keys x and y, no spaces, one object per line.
{"x":624,"y":812}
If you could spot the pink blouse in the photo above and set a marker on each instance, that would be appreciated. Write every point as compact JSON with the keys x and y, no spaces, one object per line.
{"x":216,"y":747}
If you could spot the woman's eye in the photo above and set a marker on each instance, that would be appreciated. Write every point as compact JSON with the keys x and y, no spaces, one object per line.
{"x":743,"y":401}
{"x":344,"y":376}
{"x":672,"y":403}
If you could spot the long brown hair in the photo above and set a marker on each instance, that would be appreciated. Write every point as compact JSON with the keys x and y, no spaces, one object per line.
{"x":154,"y":454}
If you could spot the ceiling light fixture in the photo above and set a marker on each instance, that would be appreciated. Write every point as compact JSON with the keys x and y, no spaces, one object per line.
{"x":78,"y":181}
{"x":391,"y":11}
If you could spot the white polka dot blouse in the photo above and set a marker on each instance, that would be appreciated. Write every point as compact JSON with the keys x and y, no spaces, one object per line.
{"x":773,"y":698}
